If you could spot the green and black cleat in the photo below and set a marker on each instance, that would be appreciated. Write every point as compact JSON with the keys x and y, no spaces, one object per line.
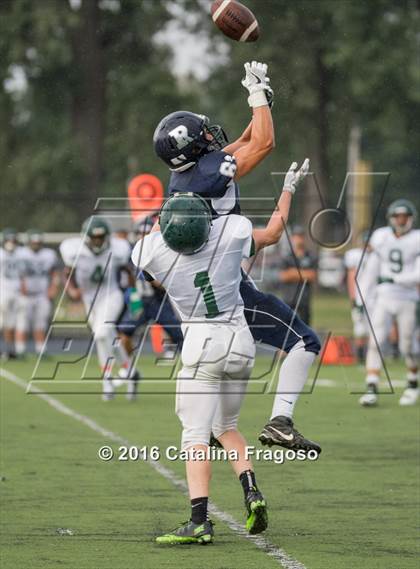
{"x":256,"y":507}
{"x":188,"y":532}
{"x":280,"y":431}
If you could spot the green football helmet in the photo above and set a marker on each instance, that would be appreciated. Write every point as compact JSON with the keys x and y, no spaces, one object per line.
{"x":9,"y":238}
{"x":185,"y":222}
{"x":404,"y":207}
{"x":97,"y":232}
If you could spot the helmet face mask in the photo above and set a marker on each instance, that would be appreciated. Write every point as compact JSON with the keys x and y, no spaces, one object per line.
{"x":10,"y":240}
{"x":401,"y":216}
{"x":97,"y":232}
{"x":98,"y":244}
{"x":10,"y":245}
{"x":35,"y":239}
{"x":401,"y":223}
{"x":181,"y":138}
{"x":185,"y":223}
{"x":219,"y":139}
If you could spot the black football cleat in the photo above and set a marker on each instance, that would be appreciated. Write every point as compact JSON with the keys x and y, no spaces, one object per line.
{"x":257,"y":520}
{"x":280,"y":431}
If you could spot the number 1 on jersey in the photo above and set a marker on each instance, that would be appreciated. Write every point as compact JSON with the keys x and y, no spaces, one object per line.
{"x":202,"y":281}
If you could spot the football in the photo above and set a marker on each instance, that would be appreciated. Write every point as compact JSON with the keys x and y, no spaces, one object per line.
{"x":235,"y":20}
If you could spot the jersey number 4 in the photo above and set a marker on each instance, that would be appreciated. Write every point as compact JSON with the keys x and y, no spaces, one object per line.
{"x":202,"y":281}
{"x":97,"y":275}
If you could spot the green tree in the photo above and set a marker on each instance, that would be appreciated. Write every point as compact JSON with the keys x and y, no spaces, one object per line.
{"x":332,"y":64}
{"x":96,"y":87}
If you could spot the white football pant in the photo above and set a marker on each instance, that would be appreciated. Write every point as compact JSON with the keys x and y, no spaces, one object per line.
{"x":385,"y":310}
{"x":8,"y":309}
{"x":33,"y":312}
{"x":217,"y":361}
{"x":102,"y":317}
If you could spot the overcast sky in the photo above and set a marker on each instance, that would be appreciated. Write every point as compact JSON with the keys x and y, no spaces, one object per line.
{"x":192,"y":53}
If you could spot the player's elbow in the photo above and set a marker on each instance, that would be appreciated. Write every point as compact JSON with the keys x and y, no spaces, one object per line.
{"x":268,"y":143}
{"x":271,"y":237}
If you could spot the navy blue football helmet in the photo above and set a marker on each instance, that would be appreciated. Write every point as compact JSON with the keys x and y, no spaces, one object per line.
{"x":181,"y":138}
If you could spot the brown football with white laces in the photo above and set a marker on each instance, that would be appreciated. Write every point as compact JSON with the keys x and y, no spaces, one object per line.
{"x":235,"y":20}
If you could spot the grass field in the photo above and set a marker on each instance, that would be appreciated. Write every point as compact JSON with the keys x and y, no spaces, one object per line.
{"x":356,"y":507}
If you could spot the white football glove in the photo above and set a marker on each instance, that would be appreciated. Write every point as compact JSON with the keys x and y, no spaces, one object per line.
{"x":256,"y":82}
{"x":293,"y":177}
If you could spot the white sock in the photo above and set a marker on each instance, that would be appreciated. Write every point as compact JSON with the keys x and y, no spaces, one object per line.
{"x":373,"y":358}
{"x":105,"y":352}
{"x":125,"y":361}
{"x":412,"y":376}
{"x":38,"y":347}
{"x":372,"y":378}
{"x":292,"y":378}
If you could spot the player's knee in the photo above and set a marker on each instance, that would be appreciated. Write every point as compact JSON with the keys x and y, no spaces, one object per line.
{"x":193,"y":436}
{"x":126,"y":328}
{"x":220,"y":428}
{"x":311,"y":341}
{"x":102,"y":333}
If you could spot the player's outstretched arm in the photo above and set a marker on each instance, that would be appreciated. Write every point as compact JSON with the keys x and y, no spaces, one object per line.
{"x":261,"y":141}
{"x":241,"y":141}
{"x":275,"y":227}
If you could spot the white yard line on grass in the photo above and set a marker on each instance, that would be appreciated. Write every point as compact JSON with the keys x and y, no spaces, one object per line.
{"x":259,"y":541}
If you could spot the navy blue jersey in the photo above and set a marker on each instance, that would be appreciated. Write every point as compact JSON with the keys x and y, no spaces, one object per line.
{"x":211,"y":178}
{"x":270,"y":320}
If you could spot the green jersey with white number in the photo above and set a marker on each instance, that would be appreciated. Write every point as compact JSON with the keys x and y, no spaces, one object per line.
{"x":95,"y":274}
{"x":205,"y":284}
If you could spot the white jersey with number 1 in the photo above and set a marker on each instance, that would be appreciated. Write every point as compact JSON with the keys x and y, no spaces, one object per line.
{"x":204,"y":285}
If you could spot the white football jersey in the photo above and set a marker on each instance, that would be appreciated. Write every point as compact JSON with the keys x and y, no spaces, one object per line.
{"x":352,"y":258}
{"x":205,"y":284}
{"x":11,"y":268}
{"x":396,"y":258}
{"x":37,"y":269}
{"x":95,"y":274}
